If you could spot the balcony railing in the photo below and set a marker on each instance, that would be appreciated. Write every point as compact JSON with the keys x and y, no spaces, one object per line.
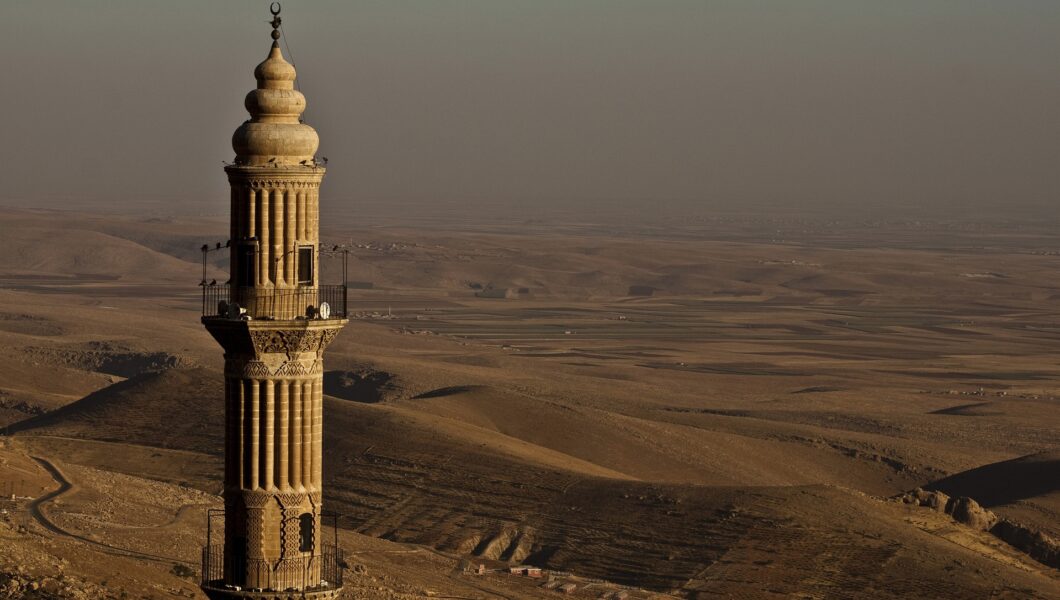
{"x":311,"y":572}
{"x":273,"y":303}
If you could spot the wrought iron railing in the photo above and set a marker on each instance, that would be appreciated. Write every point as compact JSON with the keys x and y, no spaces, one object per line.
{"x":311,"y":572}
{"x":213,"y":564}
{"x":274,"y":303}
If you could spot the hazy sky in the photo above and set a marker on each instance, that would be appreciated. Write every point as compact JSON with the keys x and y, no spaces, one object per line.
{"x":467,"y":104}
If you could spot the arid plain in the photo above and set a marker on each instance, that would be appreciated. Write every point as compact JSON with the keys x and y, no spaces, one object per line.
{"x":714,"y":408}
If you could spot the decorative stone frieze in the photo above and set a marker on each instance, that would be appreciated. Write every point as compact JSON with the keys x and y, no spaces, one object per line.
{"x":277,"y":184}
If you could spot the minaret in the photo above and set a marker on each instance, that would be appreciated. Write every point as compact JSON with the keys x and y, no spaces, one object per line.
{"x":274,"y":320}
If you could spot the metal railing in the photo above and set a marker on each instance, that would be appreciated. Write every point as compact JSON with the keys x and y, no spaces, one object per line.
{"x":213,"y":564}
{"x":311,"y":572}
{"x":272,"y":303}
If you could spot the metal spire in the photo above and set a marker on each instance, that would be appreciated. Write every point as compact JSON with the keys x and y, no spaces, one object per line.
{"x":274,"y":8}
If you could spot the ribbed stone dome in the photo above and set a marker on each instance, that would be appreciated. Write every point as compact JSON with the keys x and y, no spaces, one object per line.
{"x":274,"y":135}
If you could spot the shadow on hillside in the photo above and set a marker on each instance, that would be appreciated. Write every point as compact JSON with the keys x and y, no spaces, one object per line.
{"x":97,"y":399}
{"x":366,"y":385}
{"x":447,"y":391}
{"x":1005,"y":482}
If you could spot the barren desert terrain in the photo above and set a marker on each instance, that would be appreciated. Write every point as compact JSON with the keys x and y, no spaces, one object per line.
{"x":736,"y":407}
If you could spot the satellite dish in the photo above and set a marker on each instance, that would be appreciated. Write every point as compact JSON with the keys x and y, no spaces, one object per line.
{"x":234,"y":311}
{"x":324,"y":310}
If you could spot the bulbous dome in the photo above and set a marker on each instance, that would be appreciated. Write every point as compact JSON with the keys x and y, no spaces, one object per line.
{"x":275,"y":72}
{"x":275,"y":135}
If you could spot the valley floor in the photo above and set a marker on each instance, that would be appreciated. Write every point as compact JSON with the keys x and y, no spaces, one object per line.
{"x":692,"y":413}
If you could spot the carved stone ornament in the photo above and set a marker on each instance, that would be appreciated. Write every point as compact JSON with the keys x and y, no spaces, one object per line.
{"x":280,"y":184}
{"x":297,"y":368}
{"x":327,"y":336}
{"x":255,"y":499}
{"x":255,"y":532}
{"x":269,"y":341}
{"x":256,"y":369}
{"x":290,"y":499}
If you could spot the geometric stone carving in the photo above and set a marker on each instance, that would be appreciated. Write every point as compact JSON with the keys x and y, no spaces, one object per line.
{"x":289,"y":534}
{"x":255,"y":532}
{"x":255,"y":498}
{"x":295,"y":368}
{"x":273,"y":184}
{"x":256,"y":369}
{"x":290,"y":500}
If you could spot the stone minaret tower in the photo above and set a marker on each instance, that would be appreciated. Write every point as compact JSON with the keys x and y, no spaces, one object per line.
{"x":274,"y":324}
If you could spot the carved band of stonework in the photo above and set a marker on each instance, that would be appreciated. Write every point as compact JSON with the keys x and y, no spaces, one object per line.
{"x":254,"y":499}
{"x":239,"y":341}
{"x":256,"y":369}
{"x":253,"y":369}
{"x":299,"y":368}
{"x":280,"y":184}
{"x":290,"y":499}
{"x":326,"y":337}
{"x":272,"y":342}
{"x":291,"y":341}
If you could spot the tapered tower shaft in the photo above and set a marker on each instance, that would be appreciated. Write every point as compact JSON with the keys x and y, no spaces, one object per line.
{"x":274,"y":326}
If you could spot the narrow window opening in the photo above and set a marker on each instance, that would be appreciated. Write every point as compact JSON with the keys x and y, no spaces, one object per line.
{"x":245,"y":264}
{"x":306,"y":525}
{"x":305,"y":265}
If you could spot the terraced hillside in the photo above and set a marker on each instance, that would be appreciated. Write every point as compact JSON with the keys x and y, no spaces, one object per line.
{"x":737,"y":433}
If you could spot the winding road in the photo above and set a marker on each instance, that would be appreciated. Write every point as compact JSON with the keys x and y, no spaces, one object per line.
{"x":64,"y":486}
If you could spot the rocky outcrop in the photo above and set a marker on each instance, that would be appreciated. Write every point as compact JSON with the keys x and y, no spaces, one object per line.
{"x":1036,"y":544}
{"x":15,"y":585}
{"x":920,"y":497}
{"x":967,"y":511}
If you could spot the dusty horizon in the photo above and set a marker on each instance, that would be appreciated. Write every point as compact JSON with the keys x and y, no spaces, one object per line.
{"x":898,"y":109}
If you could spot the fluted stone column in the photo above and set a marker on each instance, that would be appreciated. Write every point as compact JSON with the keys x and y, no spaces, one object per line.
{"x":274,"y":448}
{"x":267,"y":218}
